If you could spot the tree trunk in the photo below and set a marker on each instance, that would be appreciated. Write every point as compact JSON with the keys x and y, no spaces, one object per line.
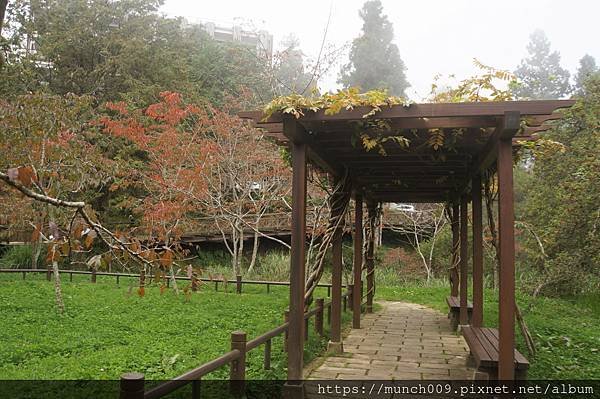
{"x":254,"y":253}
{"x":3,"y":5}
{"x":57,"y":288}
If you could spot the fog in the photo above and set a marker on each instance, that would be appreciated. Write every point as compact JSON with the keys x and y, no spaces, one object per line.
{"x":434,"y":37}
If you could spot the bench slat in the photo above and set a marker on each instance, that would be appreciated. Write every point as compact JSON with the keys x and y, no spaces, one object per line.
{"x":454,"y":302}
{"x":519,"y":358}
{"x":480,"y":353}
{"x":484,"y":345}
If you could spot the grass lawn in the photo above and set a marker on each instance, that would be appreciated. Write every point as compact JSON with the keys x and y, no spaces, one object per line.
{"x":106,"y":331}
{"x":566,"y":332}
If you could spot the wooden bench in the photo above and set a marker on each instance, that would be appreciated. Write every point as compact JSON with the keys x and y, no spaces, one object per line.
{"x":483,"y":343}
{"x":454,"y":313}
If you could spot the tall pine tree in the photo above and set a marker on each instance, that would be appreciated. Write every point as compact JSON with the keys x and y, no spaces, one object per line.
{"x":540,"y":74}
{"x":375,"y":61}
{"x":587,"y":68}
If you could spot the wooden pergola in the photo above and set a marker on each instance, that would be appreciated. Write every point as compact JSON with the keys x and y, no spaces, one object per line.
{"x":478,"y":138}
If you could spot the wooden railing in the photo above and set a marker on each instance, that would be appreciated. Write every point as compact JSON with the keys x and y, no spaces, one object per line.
{"x":239,"y":282}
{"x":132,"y":384}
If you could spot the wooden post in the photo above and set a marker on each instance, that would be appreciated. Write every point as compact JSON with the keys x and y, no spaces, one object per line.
{"x":358,"y":257}
{"x":455,"y":243}
{"x":70,"y":276}
{"x":319,"y":316}
{"x":295,"y":332}
{"x":237,"y":371}
{"x":267,"y":362}
{"x":506,"y":218}
{"x":464,"y":261}
{"x":196,"y":389}
{"x":477,"y":317}
{"x":335,"y":344}
{"x":370,"y":261}
{"x":238,"y":284}
{"x":329,"y":314}
{"x":286,"y":319}
{"x":48,"y":273}
{"x":216,"y":285}
{"x":268,"y":288}
{"x":120,"y":276}
{"x":24,"y":276}
{"x":93,"y":276}
{"x":132,"y":386}
{"x":350,"y":291}
{"x":306,"y":320}
{"x":294,"y":387}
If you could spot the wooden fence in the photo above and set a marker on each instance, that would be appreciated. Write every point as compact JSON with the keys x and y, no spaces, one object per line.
{"x":132,"y":384}
{"x":239,"y":282}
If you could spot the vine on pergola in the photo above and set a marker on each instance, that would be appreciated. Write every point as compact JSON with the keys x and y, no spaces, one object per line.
{"x":339,"y":201}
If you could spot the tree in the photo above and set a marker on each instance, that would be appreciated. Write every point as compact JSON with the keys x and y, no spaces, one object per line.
{"x":122,"y":51}
{"x":289,"y":70}
{"x":375,"y":61}
{"x":540,"y":74}
{"x":424,"y":223}
{"x":587,"y":67}
{"x":561,"y":203}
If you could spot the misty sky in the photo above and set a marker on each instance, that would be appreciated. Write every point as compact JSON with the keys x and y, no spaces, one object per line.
{"x":433,"y":36}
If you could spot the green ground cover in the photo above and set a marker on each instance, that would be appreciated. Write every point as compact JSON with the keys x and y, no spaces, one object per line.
{"x":107,"y":331}
{"x":566,"y":332}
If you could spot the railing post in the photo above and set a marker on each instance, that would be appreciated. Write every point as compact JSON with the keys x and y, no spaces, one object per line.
{"x":267,"y":362}
{"x":329,"y":314}
{"x":238,"y":282}
{"x":48,"y":273}
{"x":350,"y":297}
{"x":268,"y":288}
{"x":216,"y":286}
{"x":344,"y":300}
{"x":286,"y":319}
{"x":306,"y":320}
{"x":319,"y":316}
{"x":93,"y":277}
{"x":118,"y":278}
{"x":196,"y":389}
{"x":71,"y":276}
{"x":23,"y":275}
{"x":237,"y":371}
{"x":132,"y":386}
{"x":328,"y":291}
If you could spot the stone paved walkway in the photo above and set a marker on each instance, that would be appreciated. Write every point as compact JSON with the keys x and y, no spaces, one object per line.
{"x":403,"y":341}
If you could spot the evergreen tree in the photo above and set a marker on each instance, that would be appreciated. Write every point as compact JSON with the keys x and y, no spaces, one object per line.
{"x":375,"y":61}
{"x":587,"y":67}
{"x":540,"y":75}
{"x":289,"y":69}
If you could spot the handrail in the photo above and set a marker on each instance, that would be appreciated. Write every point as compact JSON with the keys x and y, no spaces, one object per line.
{"x":261,"y":339}
{"x":150,"y":276}
{"x":170,"y":386}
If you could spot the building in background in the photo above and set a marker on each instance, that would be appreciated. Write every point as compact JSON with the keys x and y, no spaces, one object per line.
{"x":262,"y":40}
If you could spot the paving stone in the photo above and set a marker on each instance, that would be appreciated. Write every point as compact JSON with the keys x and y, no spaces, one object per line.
{"x":402,"y":341}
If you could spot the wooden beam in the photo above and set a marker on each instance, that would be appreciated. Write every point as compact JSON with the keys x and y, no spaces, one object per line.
{"x":477,"y":316}
{"x":507,"y":128}
{"x":296,"y":133}
{"x":506,"y":218}
{"x":437,"y":110}
{"x":358,"y":257}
